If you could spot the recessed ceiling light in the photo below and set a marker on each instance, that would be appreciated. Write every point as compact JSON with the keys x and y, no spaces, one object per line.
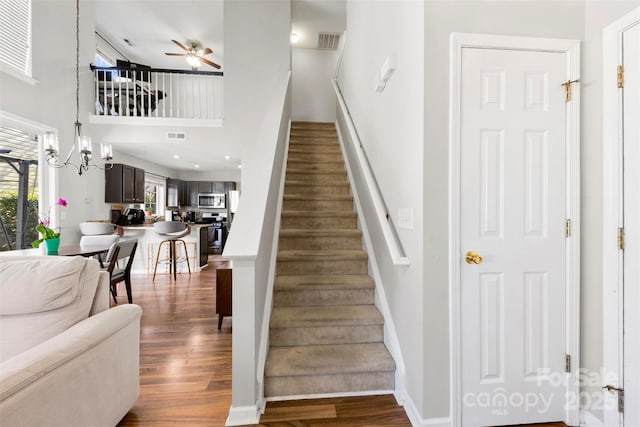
{"x":176,"y":156}
{"x":295,"y":38}
{"x":196,"y":165}
{"x":239,"y":166}
{"x":227,"y":157}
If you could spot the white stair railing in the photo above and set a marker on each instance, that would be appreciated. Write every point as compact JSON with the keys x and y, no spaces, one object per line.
{"x":148,"y":92}
{"x":370,"y":189}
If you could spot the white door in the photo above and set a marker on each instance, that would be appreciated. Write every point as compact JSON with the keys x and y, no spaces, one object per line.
{"x":512,"y":214}
{"x":631,"y":144}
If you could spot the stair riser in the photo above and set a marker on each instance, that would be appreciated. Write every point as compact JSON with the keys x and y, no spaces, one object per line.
{"x":326,"y":189}
{"x":312,"y":205}
{"x":284,"y":337}
{"x":318,"y":222}
{"x":324,"y":297}
{"x":322,"y":267}
{"x":317,"y":384}
{"x":306,"y":133}
{"x":324,"y":242}
{"x":316,"y":166}
{"x":315,"y":157}
{"x":336,"y":177}
{"x":315,"y":151}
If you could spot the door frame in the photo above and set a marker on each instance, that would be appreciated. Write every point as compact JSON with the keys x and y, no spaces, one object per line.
{"x":612,"y":213}
{"x":571,"y":48}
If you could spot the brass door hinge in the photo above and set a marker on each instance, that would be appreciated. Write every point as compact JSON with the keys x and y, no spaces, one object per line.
{"x":567,"y":363}
{"x":621,"y":238}
{"x":567,"y":228}
{"x":567,"y":89}
{"x":620,"y":76}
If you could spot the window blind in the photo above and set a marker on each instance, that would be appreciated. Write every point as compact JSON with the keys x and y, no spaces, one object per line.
{"x":15,"y":35}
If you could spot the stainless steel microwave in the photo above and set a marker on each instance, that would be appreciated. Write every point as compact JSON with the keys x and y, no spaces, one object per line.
{"x":212,"y":200}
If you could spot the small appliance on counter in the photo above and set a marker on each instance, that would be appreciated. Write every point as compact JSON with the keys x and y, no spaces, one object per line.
{"x":132,"y":217}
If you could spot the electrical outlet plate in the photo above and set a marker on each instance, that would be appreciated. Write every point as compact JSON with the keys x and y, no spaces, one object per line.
{"x":405,"y":218}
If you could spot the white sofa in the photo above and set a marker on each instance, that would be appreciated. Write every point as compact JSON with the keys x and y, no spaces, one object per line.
{"x":66,"y":358}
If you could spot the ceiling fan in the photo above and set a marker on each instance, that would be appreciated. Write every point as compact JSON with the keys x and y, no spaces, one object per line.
{"x":194,"y":54}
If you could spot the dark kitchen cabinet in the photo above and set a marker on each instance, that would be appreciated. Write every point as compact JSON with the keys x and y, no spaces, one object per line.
{"x":192,"y":191}
{"x":218,"y":187}
{"x":205,"y":187}
{"x":183,"y":194}
{"x":124,"y":184}
{"x":204,"y":242}
{"x":229,"y":186}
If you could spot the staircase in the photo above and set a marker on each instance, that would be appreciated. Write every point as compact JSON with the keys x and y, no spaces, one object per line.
{"x":325,"y":332}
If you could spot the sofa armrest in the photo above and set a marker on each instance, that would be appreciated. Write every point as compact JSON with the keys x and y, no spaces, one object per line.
{"x":87,"y":375}
{"x":101,"y":298}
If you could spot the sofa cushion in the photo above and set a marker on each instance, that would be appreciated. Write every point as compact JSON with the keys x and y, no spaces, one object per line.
{"x":42,"y":297}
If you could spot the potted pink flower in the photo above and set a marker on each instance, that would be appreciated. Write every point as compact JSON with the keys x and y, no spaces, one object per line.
{"x":49,"y":236}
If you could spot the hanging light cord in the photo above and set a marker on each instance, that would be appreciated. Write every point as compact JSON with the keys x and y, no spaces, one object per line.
{"x":78,"y":67}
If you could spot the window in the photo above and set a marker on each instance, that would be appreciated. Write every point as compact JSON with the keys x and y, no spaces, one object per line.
{"x":154,"y":196}
{"x":15,"y":36}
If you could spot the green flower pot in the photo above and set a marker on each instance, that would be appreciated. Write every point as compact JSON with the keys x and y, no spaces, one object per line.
{"x":52,"y":246}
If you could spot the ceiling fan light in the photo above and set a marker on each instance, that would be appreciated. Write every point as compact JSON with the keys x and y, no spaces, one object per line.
{"x":194,"y":61}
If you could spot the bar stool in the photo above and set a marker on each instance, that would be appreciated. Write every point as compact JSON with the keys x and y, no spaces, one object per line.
{"x":171,"y":232}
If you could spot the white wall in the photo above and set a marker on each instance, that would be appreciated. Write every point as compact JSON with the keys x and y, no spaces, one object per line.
{"x":598,"y":14}
{"x":391,"y":130}
{"x":52,"y":100}
{"x":311,"y":74}
{"x":257,"y":66}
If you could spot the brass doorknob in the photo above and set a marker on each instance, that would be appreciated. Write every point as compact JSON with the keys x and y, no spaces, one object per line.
{"x":473,"y":258}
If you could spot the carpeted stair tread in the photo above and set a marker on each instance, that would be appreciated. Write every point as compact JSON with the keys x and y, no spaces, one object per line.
{"x":323,"y":282}
{"x":322,"y":255}
{"x":292,"y":232}
{"x":296,"y":213}
{"x":316,"y":197}
{"x":328,"y":359}
{"x":337,"y":315}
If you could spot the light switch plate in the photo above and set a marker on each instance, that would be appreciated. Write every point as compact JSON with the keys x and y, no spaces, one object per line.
{"x":405,"y":218}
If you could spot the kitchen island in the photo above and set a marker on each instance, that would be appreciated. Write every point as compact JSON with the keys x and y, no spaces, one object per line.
{"x":148,"y":242}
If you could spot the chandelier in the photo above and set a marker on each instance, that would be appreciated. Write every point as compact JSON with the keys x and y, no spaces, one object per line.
{"x":83,"y":142}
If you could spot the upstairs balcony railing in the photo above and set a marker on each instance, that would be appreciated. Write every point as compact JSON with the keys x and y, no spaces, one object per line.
{"x":160,"y":93}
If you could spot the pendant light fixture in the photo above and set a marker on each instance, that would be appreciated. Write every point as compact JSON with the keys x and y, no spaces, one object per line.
{"x":83,"y":142}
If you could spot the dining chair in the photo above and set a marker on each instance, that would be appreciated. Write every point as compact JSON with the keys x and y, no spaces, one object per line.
{"x":171,"y":232}
{"x":120,"y":250}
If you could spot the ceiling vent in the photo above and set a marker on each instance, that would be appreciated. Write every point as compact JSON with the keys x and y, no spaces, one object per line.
{"x":176,"y":136}
{"x":328,"y":41}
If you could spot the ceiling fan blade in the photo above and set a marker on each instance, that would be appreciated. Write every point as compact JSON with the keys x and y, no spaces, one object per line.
{"x":213,"y":64}
{"x":180,"y":45}
{"x":206,"y":51}
{"x":175,"y":54}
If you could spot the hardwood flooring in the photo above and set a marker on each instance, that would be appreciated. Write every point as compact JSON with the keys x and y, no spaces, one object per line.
{"x":185,"y":365}
{"x":185,"y":362}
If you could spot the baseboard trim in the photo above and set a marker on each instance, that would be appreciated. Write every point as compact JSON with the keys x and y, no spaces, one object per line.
{"x":437,"y":422}
{"x":328,"y":395}
{"x":243,"y":415}
{"x":587,"y":419}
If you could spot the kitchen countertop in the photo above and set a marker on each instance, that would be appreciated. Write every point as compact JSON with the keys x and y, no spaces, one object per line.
{"x":150,"y":226}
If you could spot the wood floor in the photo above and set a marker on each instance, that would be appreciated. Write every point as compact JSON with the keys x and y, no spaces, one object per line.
{"x":185,"y":362}
{"x":185,"y":365}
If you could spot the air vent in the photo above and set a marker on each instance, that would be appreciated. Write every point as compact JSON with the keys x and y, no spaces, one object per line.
{"x":176,"y":136}
{"x":328,"y":41}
